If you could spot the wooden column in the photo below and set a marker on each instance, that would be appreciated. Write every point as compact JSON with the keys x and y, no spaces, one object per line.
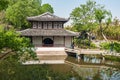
{"x":42,"y":40}
{"x":53,"y":40}
{"x":52,"y":25}
{"x":31,"y":39}
{"x":71,"y":40}
{"x":64,"y":41}
{"x":42,"y":24}
{"x":37,"y":24}
{"x":62,"y":25}
{"x":47,"y":24}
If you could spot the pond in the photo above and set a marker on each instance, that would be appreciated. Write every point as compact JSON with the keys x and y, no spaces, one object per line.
{"x":90,"y":67}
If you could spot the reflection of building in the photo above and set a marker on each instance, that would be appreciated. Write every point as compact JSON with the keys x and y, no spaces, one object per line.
{"x":48,"y":31}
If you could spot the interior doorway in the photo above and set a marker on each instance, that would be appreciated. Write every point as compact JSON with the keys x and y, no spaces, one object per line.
{"x":48,"y":42}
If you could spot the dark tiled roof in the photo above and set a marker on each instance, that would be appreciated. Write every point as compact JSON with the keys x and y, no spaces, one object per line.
{"x":47,"y":32}
{"x":46,"y":17}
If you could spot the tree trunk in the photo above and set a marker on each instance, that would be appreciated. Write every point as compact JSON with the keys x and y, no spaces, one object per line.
{"x":105,"y":38}
{"x":101,"y":31}
{"x":5,"y":54}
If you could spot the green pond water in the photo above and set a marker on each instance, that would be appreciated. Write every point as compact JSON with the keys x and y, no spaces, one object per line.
{"x":90,"y":67}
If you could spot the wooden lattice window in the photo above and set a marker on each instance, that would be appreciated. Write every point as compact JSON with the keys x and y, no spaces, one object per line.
{"x":45,"y":25}
{"x":49,"y":25}
{"x":40,"y":25}
{"x":55,"y":25}
{"x":60,"y":25}
{"x":34,"y":24}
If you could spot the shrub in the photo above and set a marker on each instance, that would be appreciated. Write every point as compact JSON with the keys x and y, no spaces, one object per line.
{"x":107,"y":45}
{"x":92,"y":45}
{"x":117,"y":46}
{"x":113,"y":58}
{"x":84,"y":43}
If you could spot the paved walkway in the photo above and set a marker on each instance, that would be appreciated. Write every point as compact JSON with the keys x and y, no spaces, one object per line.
{"x":85,"y":51}
{"x":50,"y":49}
{"x":91,"y":51}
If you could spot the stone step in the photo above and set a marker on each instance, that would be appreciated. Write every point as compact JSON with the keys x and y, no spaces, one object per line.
{"x":51,"y":53}
{"x":62,"y":57}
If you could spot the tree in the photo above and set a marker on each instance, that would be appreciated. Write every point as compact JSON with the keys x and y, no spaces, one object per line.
{"x":83,"y":16}
{"x":16,"y":11}
{"x":101,"y":15}
{"x":47,"y":8}
{"x":88,"y":16}
{"x":11,"y":44}
{"x":16,"y":14}
{"x":3,"y":4}
{"x":116,"y":22}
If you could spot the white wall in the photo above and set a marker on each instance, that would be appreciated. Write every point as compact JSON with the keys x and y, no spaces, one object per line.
{"x":59,"y":41}
{"x":68,"y":42}
{"x":37,"y":40}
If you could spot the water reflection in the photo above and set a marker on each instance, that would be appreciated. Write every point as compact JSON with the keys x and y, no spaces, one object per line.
{"x":97,"y":73}
{"x":93,"y":59}
{"x":89,"y":67}
{"x":110,"y":74}
{"x":92,"y":67}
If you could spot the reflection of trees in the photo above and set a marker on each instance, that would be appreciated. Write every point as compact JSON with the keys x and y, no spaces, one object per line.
{"x":110,"y":74}
{"x":97,"y":76}
{"x":85,"y":72}
{"x":115,"y":76}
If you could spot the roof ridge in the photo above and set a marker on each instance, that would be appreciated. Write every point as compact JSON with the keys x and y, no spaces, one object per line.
{"x":45,"y":17}
{"x":39,"y":32}
{"x":45,"y":14}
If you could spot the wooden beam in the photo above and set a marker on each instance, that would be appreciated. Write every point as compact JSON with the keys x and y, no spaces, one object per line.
{"x":42,"y":40}
{"x":52,"y":25}
{"x":53,"y":40}
{"x":42,"y":24}
{"x":64,"y":41}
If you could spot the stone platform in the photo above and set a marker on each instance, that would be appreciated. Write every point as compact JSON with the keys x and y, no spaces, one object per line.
{"x":51,"y":54}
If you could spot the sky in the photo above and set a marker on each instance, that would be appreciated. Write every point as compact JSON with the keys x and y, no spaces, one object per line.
{"x":63,"y":8}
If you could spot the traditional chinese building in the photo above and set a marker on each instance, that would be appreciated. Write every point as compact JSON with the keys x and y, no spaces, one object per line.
{"x":48,"y":31}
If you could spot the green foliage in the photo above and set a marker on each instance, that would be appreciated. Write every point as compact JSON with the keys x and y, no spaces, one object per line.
{"x":12,"y":70}
{"x":107,"y":46}
{"x":88,"y":16}
{"x":3,"y":4}
{"x":117,"y":46}
{"x":97,"y":77}
{"x":83,"y":16}
{"x":16,"y":14}
{"x":20,"y":46}
{"x":92,"y":45}
{"x":113,"y":32}
{"x":84,"y":43}
{"x":113,"y":58}
{"x":18,"y":10}
{"x":102,"y":14}
{"x":47,"y":8}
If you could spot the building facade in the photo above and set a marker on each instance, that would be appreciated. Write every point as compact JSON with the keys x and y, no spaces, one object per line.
{"x":48,"y":31}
